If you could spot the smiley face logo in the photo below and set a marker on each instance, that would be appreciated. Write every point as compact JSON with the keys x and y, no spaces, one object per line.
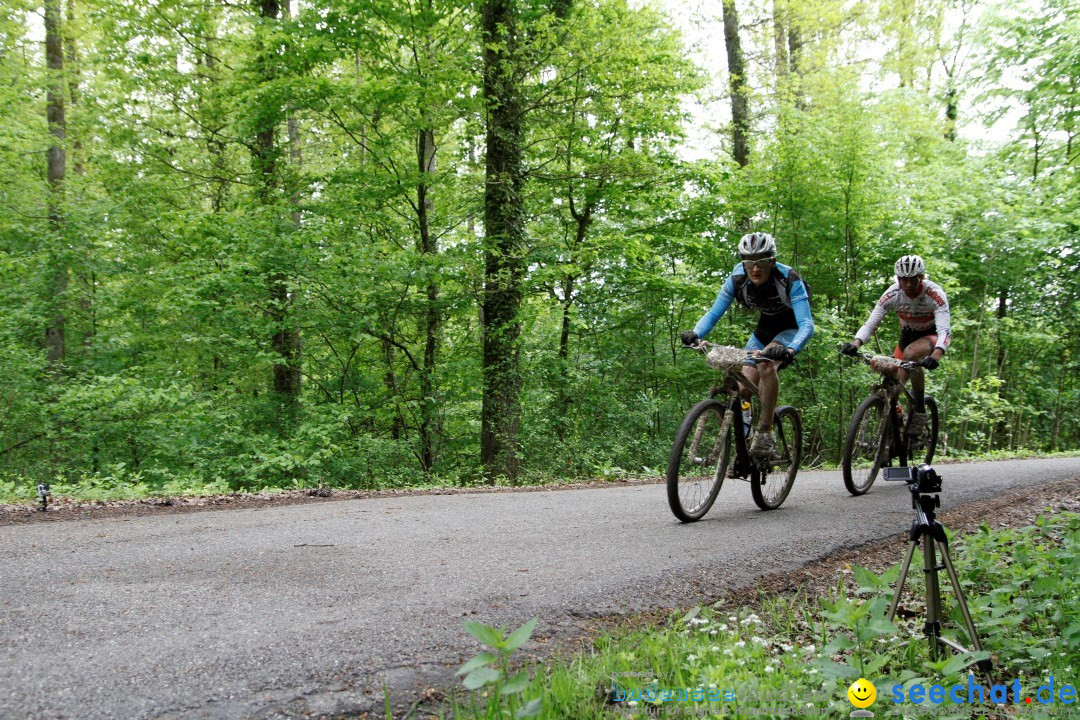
{"x":862,"y":693}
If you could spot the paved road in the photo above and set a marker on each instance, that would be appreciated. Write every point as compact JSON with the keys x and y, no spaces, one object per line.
{"x":286,"y":611}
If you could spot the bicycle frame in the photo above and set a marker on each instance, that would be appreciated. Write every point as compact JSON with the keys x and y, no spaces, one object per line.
{"x":890,"y":389}
{"x":732,"y":386}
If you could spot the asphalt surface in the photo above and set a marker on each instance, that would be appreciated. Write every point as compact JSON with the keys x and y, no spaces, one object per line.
{"x":309,"y":610}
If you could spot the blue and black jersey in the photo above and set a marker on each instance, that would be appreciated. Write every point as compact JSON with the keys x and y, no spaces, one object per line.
{"x":783,"y":301}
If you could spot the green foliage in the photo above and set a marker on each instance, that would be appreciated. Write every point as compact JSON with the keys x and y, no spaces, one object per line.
{"x":1017,"y":583}
{"x":492,"y":671}
{"x":235,"y":183}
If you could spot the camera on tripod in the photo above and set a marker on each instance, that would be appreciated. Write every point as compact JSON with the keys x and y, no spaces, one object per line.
{"x":923,"y":479}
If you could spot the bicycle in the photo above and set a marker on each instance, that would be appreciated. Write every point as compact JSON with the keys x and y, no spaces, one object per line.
{"x":875,"y":437}
{"x":714,"y":427}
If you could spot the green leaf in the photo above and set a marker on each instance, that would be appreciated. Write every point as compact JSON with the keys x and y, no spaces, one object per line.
{"x":876,"y":627}
{"x":691,"y":615}
{"x":835,"y":671}
{"x":480,"y":677}
{"x":959,"y":662}
{"x":485,"y":634}
{"x":530,"y":709}
{"x":520,"y":636}
{"x":480,"y":660}
{"x":866,"y":579}
{"x":516,"y":684}
{"x":840,"y":642}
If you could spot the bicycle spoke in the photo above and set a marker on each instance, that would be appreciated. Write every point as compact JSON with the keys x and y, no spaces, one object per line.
{"x":866,"y":448}
{"x":699,"y":461}
{"x":777,"y":476}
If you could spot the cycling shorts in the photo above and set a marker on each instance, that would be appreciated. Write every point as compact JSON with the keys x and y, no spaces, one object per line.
{"x":908,"y":336}
{"x":784,"y":337}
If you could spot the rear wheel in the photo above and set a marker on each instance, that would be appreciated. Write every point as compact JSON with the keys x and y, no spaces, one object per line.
{"x":864,"y":446}
{"x":771,"y":483}
{"x":699,"y":458}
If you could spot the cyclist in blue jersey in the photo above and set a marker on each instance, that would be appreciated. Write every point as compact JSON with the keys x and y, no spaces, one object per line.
{"x":784,"y":326}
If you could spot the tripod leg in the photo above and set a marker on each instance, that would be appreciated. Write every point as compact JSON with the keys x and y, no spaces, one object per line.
{"x":900,"y":580}
{"x":932,"y":628}
{"x":984,"y":665}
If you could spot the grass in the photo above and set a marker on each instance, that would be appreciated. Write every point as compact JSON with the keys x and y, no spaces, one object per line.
{"x":796,"y":656}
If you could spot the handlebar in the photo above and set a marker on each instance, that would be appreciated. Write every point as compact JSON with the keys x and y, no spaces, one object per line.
{"x":870,"y":358}
{"x":704,"y":347}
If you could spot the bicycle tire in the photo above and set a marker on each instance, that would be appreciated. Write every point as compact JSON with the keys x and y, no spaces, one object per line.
{"x":863,"y":444}
{"x":771,"y":488}
{"x":931,"y":435}
{"x":691,"y":494}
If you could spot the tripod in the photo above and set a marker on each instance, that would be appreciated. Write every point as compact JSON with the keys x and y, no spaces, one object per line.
{"x":925,"y":527}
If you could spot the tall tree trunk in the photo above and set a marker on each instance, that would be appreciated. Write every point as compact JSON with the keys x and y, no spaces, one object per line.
{"x":292,"y":350}
{"x":429,"y":251}
{"x":795,"y":61}
{"x":71,"y":61}
{"x":740,"y":121}
{"x":780,"y":38}
{"x":951,"y":101}
{"x":87,"y":280}
{"x":905,"y":44}
{"x":397,"y":426}
{"x":504,"y":227}
{"x":1002,"y":309}
{"x":57,"y":165}
{"x":962,"y":439}
{"x":1056,"y":427}
{"x":286,"y":372}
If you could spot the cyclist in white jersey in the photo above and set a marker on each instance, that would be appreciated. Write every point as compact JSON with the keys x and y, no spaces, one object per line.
{"x":923,"y":311}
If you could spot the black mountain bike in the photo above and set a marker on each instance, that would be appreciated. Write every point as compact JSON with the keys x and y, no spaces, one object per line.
{"x":877,"y":434}
{"x":714,"y":435}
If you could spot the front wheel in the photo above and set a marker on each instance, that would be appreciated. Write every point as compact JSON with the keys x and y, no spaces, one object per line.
{"x":699,"y":458}
{"x":925,"y":448}
{"x":771,"y":484}
{"x":864,"y":446}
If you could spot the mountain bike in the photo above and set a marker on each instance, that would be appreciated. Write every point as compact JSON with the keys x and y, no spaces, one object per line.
{"x":877,"y":433}
{"x":715,"y":434}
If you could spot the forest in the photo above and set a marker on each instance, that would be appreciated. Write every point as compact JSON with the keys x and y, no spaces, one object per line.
{"x":386,"y":243}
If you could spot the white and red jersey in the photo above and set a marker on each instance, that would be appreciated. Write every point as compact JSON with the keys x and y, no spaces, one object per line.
{"x":927,"y":311}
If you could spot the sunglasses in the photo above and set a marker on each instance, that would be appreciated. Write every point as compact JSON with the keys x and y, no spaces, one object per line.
{"x":763,"y":263}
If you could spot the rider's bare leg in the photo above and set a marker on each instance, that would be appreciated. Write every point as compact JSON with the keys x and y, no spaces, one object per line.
{"x":750,"y":373}
{"x":769,"y":389}
{"x":917,"y":350}
{"x":761,"y":377}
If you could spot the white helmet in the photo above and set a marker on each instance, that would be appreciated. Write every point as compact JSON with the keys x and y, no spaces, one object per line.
{"x":757,"y":243}
{"x":910,"y":266}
